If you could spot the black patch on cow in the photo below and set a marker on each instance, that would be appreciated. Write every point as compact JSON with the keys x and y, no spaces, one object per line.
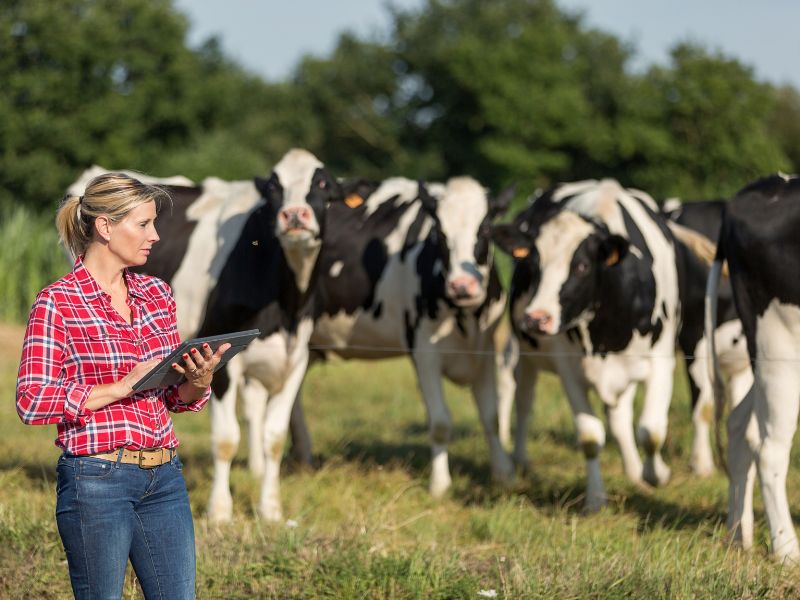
{"x":356,"y":239}
{"x":376,"y":312}
{"x":760,"y":242}
{"x":410,"y":328}
{"x":175,"y":231}
{"x":256,"y":288}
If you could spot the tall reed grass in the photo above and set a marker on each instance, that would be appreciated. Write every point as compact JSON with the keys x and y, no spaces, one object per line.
{"x":30,"y":258}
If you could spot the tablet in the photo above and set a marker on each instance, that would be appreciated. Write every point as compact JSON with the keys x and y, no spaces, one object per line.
{"x":163,"y":375}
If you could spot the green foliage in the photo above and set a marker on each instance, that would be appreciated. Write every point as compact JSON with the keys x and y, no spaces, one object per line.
{"x":30,"y":258}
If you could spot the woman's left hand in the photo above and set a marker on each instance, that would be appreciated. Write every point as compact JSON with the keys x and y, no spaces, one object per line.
{"x":199,"y":365}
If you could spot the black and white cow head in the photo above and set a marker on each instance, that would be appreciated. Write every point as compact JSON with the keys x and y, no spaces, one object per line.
{"x":559,"y":270}
{"x":298,"y":192}
{"x":462,"y":216}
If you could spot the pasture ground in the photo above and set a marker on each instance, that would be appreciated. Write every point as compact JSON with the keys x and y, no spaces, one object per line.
{"x":367,"y":528}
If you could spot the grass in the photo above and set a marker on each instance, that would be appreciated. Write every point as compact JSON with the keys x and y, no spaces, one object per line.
{"x":367,"y":528}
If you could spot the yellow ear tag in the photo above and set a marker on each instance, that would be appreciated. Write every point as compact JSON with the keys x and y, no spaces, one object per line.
{"x":354,"y":201}
{"x":613,"y":258}
{"x":520,"y":252}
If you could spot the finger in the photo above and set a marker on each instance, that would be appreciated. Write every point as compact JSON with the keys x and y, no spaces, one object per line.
{"x":207,"y":352}
{"x":222,"y":350}
{"x":197,"y":358}
{"x":179,"y":368}
{"x":189,"y":363}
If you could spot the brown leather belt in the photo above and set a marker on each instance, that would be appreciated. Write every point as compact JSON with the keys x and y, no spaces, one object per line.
{"x":147,"y":458}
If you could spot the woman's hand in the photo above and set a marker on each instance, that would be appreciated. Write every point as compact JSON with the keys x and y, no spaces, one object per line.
{"x":198,"y":368}
{"x":104,"y":394}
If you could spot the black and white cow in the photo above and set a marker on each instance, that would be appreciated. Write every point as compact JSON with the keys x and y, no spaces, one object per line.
{"x":407,"y":269}
{"x":759,"y":241}
{"x":705,"y":218}
{"x":595,"y":299}
{"x":238,"y":255}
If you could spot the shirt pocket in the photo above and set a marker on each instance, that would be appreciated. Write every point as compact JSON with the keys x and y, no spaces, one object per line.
{"x":104,"y":351}
{"x":159,"y":333}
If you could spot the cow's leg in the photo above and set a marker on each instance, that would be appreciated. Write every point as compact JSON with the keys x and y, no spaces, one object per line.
{"x":301,"y":440}
{"x":525,"y":374}
{"x":225,"y":437}
{"x":776,"y":410}
{"x":701,"y":460}
{"x":254,"y":398}
{"x":591,"y":437}
{"x":429,"y":375}
{"x":743,"y":443}
{"x":652,"y":431}
{"x":484,"y":390}
{"x":506,"y":388}
{"x":620,"y":422}
{"x":276,"y":427}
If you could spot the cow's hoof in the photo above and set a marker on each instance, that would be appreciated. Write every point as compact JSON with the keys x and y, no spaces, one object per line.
{"x":702,"y":467}
{"x":438,"y":487}
{"x":220,"y":510}
{"x":271,"y":511}
{"x":503,"y":470}
{"x":594,"y":504}
{"x":656,"y":472}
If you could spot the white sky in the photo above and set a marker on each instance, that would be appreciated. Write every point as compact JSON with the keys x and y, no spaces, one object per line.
{"x":269,"y":37}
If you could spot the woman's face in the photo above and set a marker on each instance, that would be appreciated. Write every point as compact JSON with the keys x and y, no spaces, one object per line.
{"x":132,"y":237}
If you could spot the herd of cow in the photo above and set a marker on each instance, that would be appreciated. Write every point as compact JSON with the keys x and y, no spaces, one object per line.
{"x":606,"y":286}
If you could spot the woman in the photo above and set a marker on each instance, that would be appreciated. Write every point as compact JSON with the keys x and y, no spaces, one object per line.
{"x":91,"y":335}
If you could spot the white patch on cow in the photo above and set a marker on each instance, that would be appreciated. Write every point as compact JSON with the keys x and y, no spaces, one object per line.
{"x":556,"y":244}
{"x":302,"y":258}
{"x":336,"y":269}
{"x":295,"y":171}
{"x":613,"y":373}
{"x":221,"y":212}
{"x":461,"y":210}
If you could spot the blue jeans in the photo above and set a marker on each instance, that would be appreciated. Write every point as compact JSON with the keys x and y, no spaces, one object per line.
{"x":108,"y":512}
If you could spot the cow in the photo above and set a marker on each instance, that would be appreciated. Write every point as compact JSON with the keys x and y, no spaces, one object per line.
{"x":595,"y":299}
{"x":759,"y":241}
{"x":705,"y":217}
{"x":242,"y":255}
{"x":407,"y":269}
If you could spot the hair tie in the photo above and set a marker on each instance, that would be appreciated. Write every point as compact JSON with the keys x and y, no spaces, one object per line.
{"x":80,"y":199}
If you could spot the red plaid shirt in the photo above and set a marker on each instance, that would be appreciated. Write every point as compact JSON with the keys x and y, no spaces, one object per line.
{"x":75,"y":340}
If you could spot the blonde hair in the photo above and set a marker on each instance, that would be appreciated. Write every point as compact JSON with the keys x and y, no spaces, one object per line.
{"x":113,"y":195}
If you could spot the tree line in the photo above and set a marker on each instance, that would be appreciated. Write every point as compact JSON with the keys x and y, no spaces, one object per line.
{"x":507,"y":91}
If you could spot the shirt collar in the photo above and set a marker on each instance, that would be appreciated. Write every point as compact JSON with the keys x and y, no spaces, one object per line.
{"x":86,"y":283}
{"x":91,"y":290}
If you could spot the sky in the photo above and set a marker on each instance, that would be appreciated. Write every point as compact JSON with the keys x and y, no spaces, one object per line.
{"x":270,"y":37}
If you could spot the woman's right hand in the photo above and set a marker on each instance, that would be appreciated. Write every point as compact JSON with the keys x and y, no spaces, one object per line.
{"x":126,"y":383}
{"x":106,"y":393}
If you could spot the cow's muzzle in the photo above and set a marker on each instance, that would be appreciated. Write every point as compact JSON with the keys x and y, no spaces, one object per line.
{"x":538,"y":321}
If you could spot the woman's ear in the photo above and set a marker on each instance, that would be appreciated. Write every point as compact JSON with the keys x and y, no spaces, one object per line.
{"x":102,"y":226}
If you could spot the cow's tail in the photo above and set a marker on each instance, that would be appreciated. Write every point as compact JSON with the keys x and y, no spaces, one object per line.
{"x":714,"y":372}
{"x":702,"y":247}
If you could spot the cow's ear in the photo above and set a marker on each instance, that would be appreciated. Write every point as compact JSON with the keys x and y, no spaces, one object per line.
{"x":511,"y":240}
{"x":429,"y":202}
{"x":266,"y":186}
{"x":499,"y":204}
{"x":355,"y":192}
{"x":613,"y":249}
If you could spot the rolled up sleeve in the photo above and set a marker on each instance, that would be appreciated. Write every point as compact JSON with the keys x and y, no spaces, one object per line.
{"x":44,"y":396}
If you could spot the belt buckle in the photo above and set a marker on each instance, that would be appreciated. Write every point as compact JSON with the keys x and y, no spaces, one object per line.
{"x":141,"y":456}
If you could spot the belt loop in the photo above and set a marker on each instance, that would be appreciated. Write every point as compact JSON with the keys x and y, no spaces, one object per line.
{"x":119,"y":457}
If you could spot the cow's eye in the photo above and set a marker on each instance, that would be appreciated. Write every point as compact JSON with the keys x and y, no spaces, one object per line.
{"x":582,"y":268}
{"x":322,"y":184}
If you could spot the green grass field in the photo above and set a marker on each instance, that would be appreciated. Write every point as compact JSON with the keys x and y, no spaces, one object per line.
{"x":367,"y":528}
